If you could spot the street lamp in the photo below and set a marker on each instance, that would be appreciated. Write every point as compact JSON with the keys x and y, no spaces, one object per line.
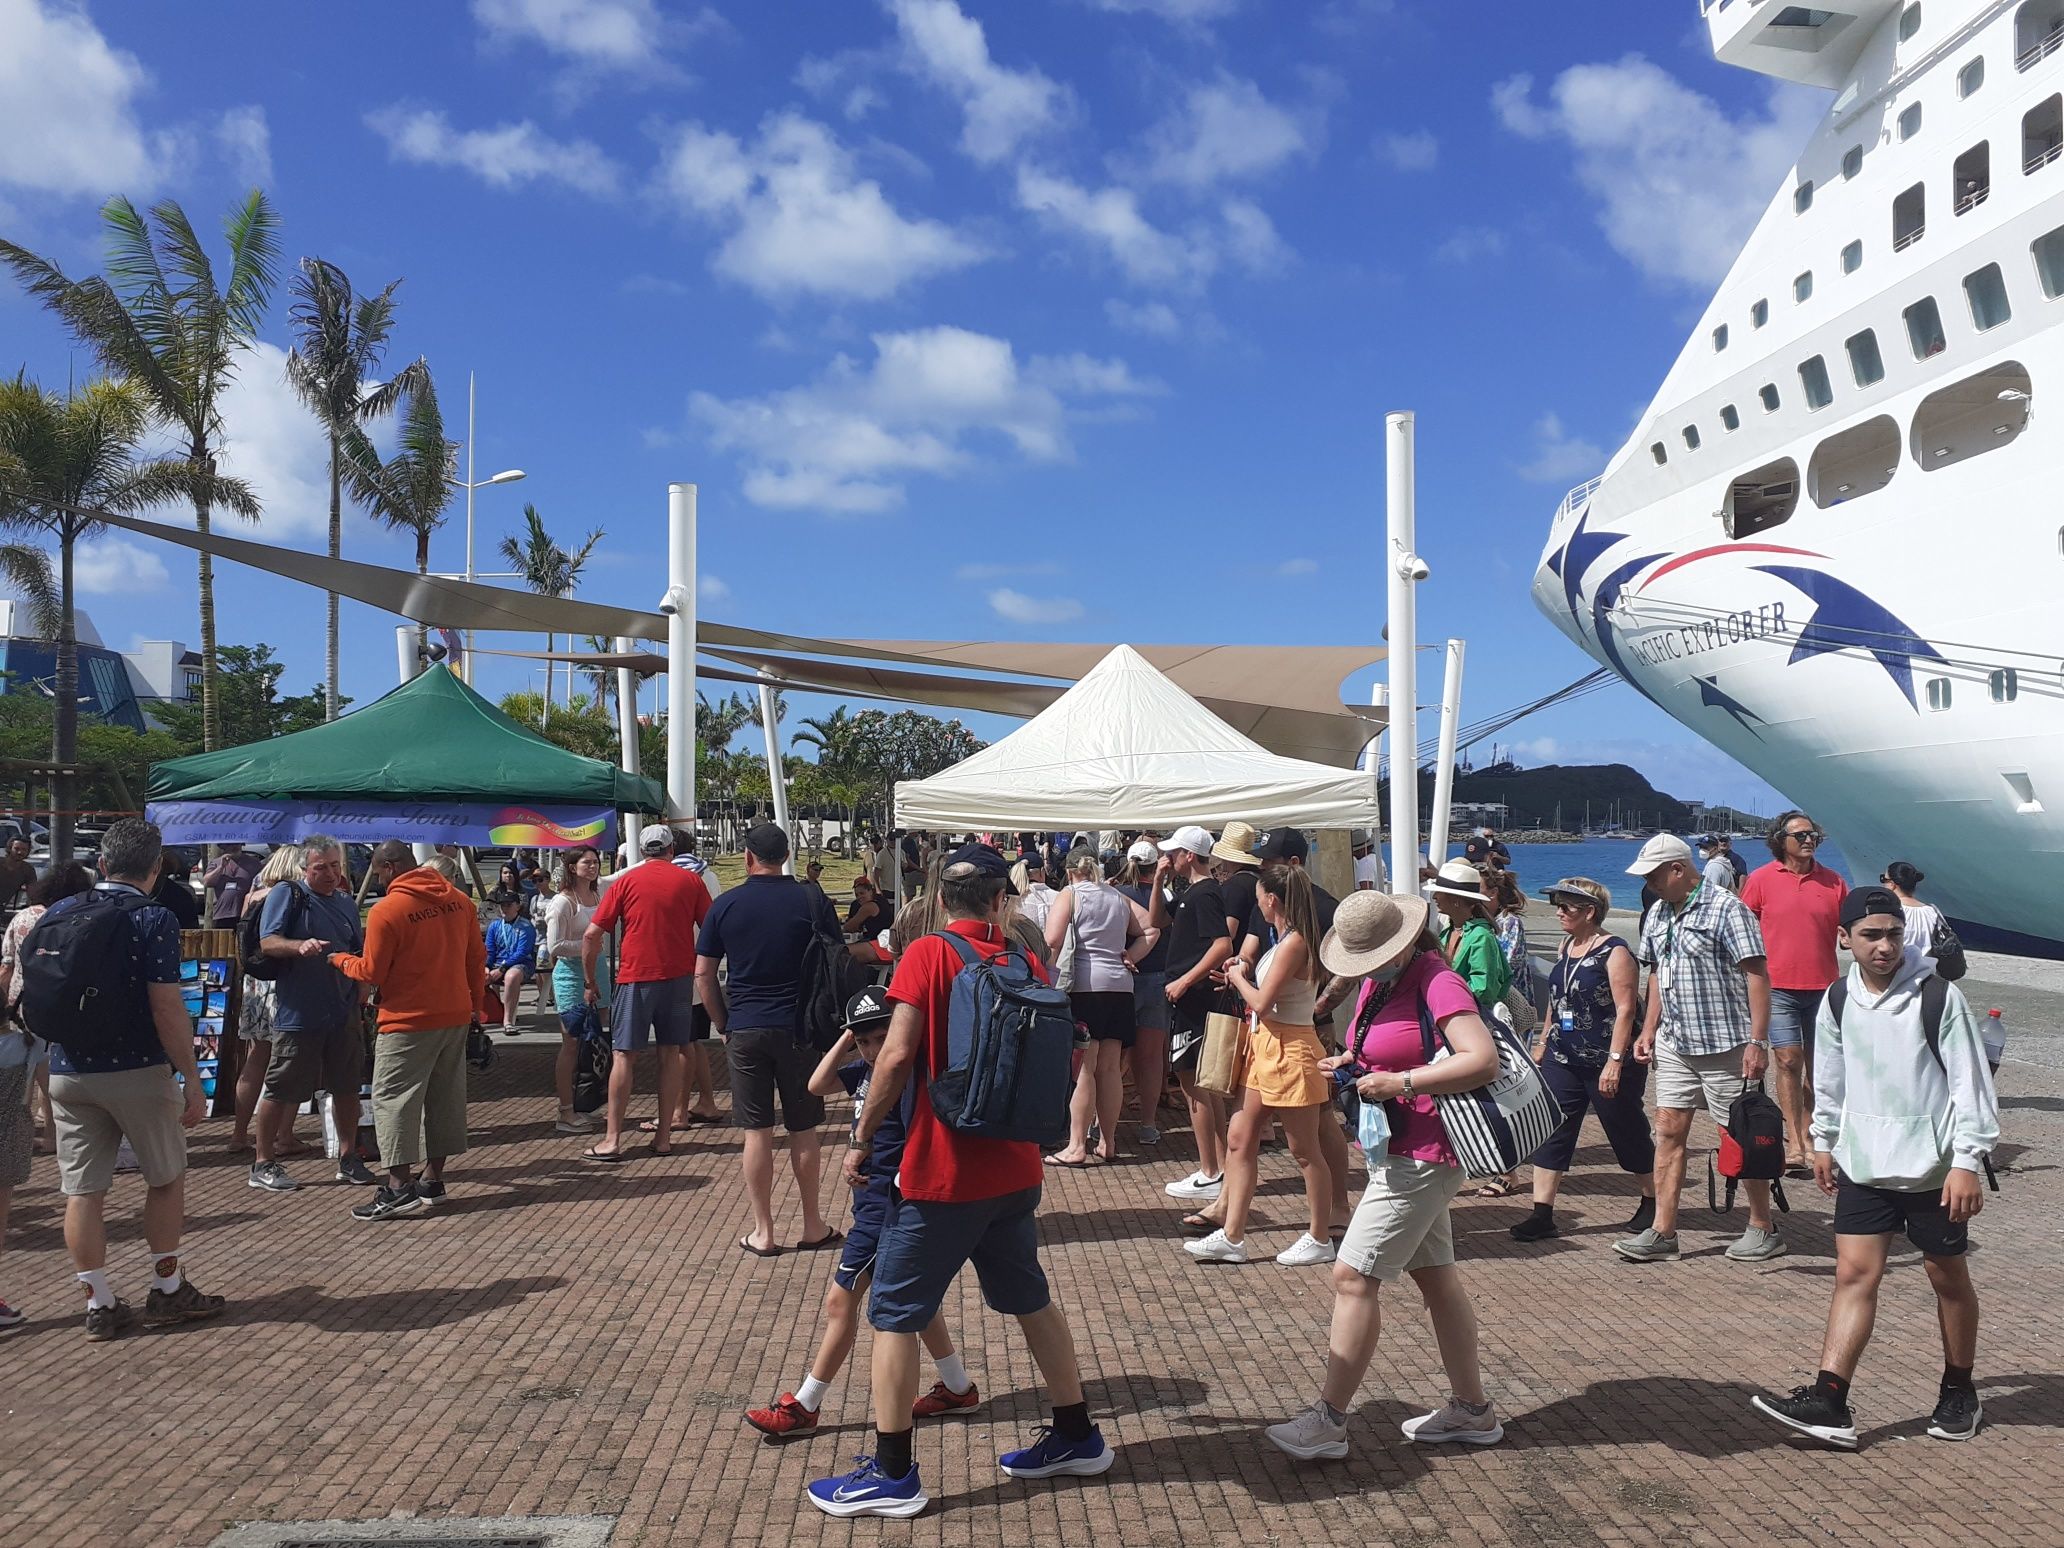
{"x":469,"y":484}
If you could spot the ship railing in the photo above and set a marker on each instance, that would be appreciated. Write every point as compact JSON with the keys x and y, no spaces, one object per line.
{"x":2043,"y":158}
{"x":1970,"y":202}
{"x":2036,"y":53}
{"x":1575,"y":499}
{"x":1903,"y":243}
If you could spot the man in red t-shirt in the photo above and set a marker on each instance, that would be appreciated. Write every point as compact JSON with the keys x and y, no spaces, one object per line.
{"x":1798,"y":902}
{"x":961,"y":1199}
{"x":661,"y":907}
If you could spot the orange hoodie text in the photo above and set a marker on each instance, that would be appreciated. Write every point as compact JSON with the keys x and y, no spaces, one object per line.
{"x":424,"y":953}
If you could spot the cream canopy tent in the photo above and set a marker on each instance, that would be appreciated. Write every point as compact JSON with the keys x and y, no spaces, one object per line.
{"x":1125,"y":747}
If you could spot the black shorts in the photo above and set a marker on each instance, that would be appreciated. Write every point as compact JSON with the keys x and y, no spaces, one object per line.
{"x":1186,"y":1027}
{"x":767,"y":1062}
{"x":1106,"y":1013}
{"x":1861,"y":1210}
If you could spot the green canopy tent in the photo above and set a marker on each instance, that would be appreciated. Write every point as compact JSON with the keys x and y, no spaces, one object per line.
{"x":431,"y":762}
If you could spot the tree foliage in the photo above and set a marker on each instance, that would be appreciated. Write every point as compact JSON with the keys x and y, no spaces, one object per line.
{"x":248,"y":703}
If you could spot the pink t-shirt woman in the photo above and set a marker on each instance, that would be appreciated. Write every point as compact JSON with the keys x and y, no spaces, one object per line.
{"x":1392,"y":1042}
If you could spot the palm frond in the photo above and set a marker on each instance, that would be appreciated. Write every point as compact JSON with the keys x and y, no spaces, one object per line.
{"x":253,"y":232}
{"x":28,"y":570}
{"x":408,"y":381}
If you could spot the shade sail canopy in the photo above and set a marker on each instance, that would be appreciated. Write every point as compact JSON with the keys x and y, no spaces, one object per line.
{"x":1125,"y":747}
{"x":432,"y":739}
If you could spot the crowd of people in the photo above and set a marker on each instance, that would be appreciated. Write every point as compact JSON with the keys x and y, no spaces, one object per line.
{"x":1344,"y":1023}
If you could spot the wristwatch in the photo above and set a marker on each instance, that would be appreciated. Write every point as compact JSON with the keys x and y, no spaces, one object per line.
{"x":1616,"y":1055}
{"x":1408,"y":1084}
{"x":1759,"y":1042}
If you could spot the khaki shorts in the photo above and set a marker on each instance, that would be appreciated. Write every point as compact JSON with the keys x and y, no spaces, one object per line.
{"x":1684,"y":1081}
{"x":305,"y":1062}
{"x":95,"y":1113}
{"x":1402,"y":1222}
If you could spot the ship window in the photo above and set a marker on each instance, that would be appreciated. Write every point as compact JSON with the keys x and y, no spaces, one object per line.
{"x":1987,"y":292}
{"x":1802,"y":198}
{"x":1730,"y":417}
{"x":1720,"y":338}
{"x":2048,"y":252}
{"x":1910,"y":122}
{"x":1967,"y":419}
{"x":1768,"y":393}
{"x":1814,"y":378}
{"x":1802,"y":287}
{"x":1661,"y":456}
{"x":2038,"y":30}
{"x":1759,"y":314}
{"x":2042,"y":134}
{"x":1852,"y":257}
{"x":1972,"y":177}
{"x":1691,"y":437}
{"x":1938,"y":693}
{"x":1854,"y":462}
{"x":2006,"y":685}
{"x":1909,"y":217}
{"x":1761,"y":499}
{"x":1971,"y":77}
{"x":1852,"y":161}
{"x":1924,"y":329}
{"x":1865,"y":363}
{"x":1909,"y":22}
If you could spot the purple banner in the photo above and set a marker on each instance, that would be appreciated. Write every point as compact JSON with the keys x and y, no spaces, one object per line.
{"x":490,"y":823}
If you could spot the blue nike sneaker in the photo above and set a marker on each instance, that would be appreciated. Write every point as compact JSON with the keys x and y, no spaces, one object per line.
{"x":868,"y":1491}
{"x":1049,"y":1456}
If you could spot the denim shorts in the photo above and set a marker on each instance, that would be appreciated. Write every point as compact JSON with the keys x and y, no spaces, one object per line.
{"x":924,"y":1248}
{"x":1791,"y":1016}
{"x":874,"y":1210}
{"x":582,"y":1020}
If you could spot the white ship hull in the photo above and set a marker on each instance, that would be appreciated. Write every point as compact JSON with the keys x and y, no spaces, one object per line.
{"x":1881,"y":643}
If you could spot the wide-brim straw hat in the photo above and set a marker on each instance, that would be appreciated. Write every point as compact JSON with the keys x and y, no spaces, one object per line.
{"x":1460,"y":879}
{"x":1369,"y":929}
{"x":1236,"y":844}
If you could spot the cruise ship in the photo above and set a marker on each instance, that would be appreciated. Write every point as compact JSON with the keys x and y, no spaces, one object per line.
{"x":1834,"y":545}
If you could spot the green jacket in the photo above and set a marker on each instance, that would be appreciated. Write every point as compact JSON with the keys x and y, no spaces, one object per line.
{"x":1480,"y":961}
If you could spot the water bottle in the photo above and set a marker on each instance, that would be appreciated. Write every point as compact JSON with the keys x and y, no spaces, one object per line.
{"x":1994,"y":1034}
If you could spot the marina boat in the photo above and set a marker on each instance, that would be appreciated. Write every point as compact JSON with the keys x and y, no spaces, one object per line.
{"x":1833,"y":544}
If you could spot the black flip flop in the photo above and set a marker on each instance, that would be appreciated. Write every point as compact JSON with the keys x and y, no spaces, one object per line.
{"x":654,"y":1150}
{"x":745,"y":1245}
{"x":606,"y":1157}
{"x":830,"y":1238}
{"x":1085,"y":1162}
{"x":701,"y":1120}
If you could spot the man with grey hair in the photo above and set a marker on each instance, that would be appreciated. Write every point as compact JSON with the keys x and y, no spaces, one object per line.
{"x":108,"y":1085}
{"x":317,"y":1044}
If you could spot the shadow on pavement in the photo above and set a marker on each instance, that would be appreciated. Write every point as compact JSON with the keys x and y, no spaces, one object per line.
{"x":390,"y":1311}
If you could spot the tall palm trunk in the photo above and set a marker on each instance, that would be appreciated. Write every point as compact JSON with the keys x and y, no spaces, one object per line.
{"x":67,"y":718}
{"x":197,"y":454}
{"x":336,"y":552}
{"x":422,"y":568}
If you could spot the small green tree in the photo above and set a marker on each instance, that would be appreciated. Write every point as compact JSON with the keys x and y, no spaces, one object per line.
{"x":249,"y":706}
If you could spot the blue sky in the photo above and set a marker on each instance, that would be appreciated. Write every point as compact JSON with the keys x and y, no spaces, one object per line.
{"x":1052,"y":319}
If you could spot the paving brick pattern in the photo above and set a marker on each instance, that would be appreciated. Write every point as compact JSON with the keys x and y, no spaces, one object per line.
{"x":563,"y":1339}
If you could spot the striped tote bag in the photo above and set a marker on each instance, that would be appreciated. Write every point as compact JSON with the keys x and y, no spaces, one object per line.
{"x":1503,"y":1122}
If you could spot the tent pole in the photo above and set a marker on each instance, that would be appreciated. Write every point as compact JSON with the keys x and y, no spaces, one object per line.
{"x":777,"y":776}
{"x":1444,"y":770}
{"x":1401,"y":565}
{"x":627,"y":721}
{"x":408,"y":663}
{"x":681,"y":653}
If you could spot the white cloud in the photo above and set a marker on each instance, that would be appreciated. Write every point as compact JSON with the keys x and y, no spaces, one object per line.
{"x":711,"y":588}
{"x":1291,"y":568}
{"x":1002,"y":108}
{"x":1224,"y":129}
{"x":67,"y":105}
{"x":116,"y":566}
{"x":1019,"y":608}
{"x":1181,"y":12}
{"x":245,"y":139}
{"x":932,"y":402}
{"x":1155,"y":319}
{"x":1250,"y":238}
{"x":1110,"y":220}
{"x":273,"y":443}
{"x":1678,"y":182}
{"x":506,"y":156}
{"x":1415,"y":151}
{"x":1466,"y":244}
{"x":1560,"y":458}
{"x":800,"y":220}
{"x":616,"y":34}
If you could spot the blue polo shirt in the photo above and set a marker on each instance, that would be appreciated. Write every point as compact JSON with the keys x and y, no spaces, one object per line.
{"x":309,"y":995}
{"x":760,"y":930}
{"x":155,"y":953}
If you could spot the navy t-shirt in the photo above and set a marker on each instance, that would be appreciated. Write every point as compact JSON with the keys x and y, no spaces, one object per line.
{"x":885,"y":1155}
{"x":309,"y":995}
{"x":760,"y":930}
{"x":156,"y":955}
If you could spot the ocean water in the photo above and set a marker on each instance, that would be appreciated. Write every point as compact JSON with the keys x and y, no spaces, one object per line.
{"x":1606,"y":860}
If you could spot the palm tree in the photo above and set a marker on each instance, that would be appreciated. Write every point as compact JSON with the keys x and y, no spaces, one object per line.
{"x":339,"y":339}
{"x":61,"y":461}
{"x":411,"y":490}
{"x":546,"y":568}
{"x":840,"y":740}
{"x":160,"y":319}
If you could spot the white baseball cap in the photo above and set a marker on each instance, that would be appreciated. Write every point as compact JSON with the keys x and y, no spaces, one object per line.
{"x":1142,"y":849}
{"x":1190,"y":837}
{"x":655,"y":838}
{"x":1660,"y":851}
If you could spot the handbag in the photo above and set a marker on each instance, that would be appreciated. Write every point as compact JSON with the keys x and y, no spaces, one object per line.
{"x":1526,"y":1021}
{"x":1222,"y":1063}
{"x":1501,"y":1123}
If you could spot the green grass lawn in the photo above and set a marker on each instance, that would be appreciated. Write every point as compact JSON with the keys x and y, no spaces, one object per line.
{"x":838,"y":874}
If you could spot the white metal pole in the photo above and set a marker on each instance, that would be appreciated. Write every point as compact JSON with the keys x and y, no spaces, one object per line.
{"x":1444,"y":770}
{"x":681,"y":653}
{"x":405,"y":657}
{"x":777,"y":775}
{"x":627,"y":708}
{"x":1399,"y":553}
{"x":469,"y":514}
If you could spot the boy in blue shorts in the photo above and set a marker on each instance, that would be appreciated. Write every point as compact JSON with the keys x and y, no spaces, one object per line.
{"x":795,"y":1413}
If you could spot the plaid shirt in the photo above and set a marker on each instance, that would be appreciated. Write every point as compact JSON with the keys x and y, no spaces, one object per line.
{"x":1706,"y":1006}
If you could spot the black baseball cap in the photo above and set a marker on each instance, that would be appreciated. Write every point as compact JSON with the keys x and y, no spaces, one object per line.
{"x":1283,"y":844}
{"x":1862,"y":902}
{"x":503,"y":895}
{"x":766,"y":843}
{"x":868,"y":1011}
{"x":985,"y":858}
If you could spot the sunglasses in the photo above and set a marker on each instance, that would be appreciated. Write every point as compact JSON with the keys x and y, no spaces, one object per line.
{"x":1806,"y":836}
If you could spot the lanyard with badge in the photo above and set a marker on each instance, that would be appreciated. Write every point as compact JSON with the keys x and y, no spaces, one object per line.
{"x":1670,"y":937}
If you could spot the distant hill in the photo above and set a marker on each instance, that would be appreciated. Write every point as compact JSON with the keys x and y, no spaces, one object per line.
{"x":1613,"y":790}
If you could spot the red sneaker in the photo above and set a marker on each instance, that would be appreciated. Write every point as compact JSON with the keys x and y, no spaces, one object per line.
{"x":787,"y":1417}
{"x":942,"y":1399}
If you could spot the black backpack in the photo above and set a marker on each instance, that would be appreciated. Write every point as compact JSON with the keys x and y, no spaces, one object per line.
{"x":829,"y":978}
{"x":1751,"y":1146}
{"x":80,"y":985}
{"x":1934,"y":1000}
{"x":250,"y":936}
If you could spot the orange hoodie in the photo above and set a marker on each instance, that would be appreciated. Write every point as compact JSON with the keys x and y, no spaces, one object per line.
{"x":424,"y":952}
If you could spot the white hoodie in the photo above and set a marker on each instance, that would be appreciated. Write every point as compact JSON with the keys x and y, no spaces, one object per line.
{"x":1888,"y":1113}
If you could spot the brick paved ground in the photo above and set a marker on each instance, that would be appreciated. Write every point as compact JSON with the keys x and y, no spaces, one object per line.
{"x":564,"y":1340}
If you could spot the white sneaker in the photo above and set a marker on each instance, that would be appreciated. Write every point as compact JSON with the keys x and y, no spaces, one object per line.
{"x":1216,"y":1248}
{"x":1305,"y":1251}
{"x":1310,"y":1436}
{"x":1196,"y":1186}
{"x":1452,"y":1422}
{"x":579,"y":1123}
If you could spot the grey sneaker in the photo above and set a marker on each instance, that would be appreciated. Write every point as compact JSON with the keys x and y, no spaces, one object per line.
{"x":1310,"y":1436}
{"x":352,"y":1170}
{"x":1147,"y":1134}
{"x":1651,"y":1246}
{"x":272,"y":1177}
{"x":1452,"y":1421}
{"x":1758,"y":1244}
